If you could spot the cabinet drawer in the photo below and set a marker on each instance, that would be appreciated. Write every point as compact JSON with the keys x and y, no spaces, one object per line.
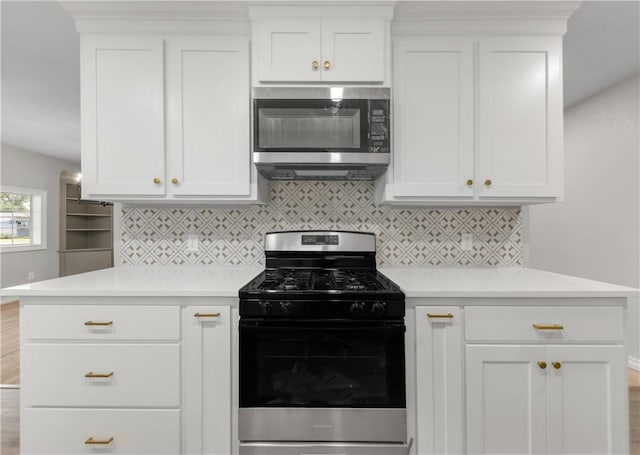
{"x":134,"y":431}
{"x":142,"y":375}
{"x":97,"y":322}
{"x":589,"y":324}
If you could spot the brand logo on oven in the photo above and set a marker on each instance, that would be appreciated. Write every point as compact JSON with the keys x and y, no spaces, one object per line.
{"x":322,"y":425}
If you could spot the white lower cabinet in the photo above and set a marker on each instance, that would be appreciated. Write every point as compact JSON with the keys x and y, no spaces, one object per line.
{"x":439,"y":362}
{"x":99,"y":431}
{"x":207,"y":379}
{"x":558,"y":394}
{"x":111,"y":375}
{"x":526,"y":376}
{"x":92,"y":383}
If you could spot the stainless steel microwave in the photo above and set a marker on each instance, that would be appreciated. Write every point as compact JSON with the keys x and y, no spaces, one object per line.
{"x":321,"y":133}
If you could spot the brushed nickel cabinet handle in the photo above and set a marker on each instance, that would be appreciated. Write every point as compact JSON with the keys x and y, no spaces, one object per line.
{"x":439,"y":316}
{"x":90,"y":440}
{"x":548,"y":327}
{"x":207,"y":315}
{"x":91,"y":374}
{"x":92,"y":323}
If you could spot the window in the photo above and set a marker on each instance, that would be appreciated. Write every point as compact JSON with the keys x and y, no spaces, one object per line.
{"x":22,"y":219}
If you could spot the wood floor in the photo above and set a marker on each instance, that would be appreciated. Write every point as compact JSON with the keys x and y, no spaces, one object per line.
{"x":9,"y":343}
{"x":634,"y":410}
{"x":10,"y":397}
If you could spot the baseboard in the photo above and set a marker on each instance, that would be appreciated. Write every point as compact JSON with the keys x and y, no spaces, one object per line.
{"x":633,"y":363}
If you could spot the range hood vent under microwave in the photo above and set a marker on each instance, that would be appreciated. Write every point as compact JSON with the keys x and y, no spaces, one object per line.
{"x":307,"y":133}
{"x":321,"y":166}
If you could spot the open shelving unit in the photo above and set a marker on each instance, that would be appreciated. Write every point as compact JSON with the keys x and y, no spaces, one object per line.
{"x":86,"y":230}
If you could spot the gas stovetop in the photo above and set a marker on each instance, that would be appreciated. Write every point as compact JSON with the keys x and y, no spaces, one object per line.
{"x":314,"y":280}
{"x":321,"y":274}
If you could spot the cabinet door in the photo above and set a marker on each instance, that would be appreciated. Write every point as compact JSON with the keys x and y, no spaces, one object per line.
{"x":587,"y":400}
{"x":287,"y":50}
{"x":352,"y":51}
{"x":207,"y":381}
{"x":520,"y":117}
{"x":439,"y":380}
{"x":122,"y":115}
{"x":208,"y":126}
{"x":505,"y":399}
{"x":433,"y":117}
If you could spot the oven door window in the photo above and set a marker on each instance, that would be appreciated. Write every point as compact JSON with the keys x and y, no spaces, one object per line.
{"x":322,"y":365}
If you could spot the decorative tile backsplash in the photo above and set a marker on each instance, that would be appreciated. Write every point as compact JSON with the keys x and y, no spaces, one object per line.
{"x":158,"y":236}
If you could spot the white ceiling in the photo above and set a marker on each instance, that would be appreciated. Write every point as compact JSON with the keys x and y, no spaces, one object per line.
{"x":41,"y":84}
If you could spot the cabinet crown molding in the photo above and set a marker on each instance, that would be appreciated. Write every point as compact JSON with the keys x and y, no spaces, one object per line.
{"x":480,"y":10}
{"x":330,"y":9}
{"x":166,"y":18}
{"x":519,"y":18}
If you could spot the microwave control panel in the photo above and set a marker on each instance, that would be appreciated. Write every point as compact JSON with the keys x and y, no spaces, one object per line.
{"x":379,"y":126}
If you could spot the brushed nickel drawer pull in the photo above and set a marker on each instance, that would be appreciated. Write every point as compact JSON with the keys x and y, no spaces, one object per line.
{"x":207,"y":315}
{"x":548,"y":327}
{"x":99,"y":441}
{"x":439,"y":316}
{"x":91,"y":374}
{"x":98,"y":323}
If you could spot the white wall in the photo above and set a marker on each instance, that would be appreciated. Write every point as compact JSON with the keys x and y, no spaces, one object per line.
{"x":595,"y":232}
{"x":27,"y":169}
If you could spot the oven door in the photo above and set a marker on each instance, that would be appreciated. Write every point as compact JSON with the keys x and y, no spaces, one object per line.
{"x":322,"y":381}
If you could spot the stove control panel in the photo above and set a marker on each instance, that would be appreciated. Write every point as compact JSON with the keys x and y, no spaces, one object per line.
{"x":317,"y":309}
{"x":320,"y":240}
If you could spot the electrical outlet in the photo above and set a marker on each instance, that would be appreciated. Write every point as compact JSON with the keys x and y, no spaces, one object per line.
{"x":467,"y":242}
{"x":192,"y":243}
{"x":31,"y":276}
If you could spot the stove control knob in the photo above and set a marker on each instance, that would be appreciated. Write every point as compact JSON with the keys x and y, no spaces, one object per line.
{"x":379,"y":308}
{"x":265,"y":307}
{"x":356,"y":309}
{"x":286,"y":307}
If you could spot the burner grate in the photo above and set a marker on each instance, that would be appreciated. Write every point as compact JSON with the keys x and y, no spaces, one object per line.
{"x":282,"y":279}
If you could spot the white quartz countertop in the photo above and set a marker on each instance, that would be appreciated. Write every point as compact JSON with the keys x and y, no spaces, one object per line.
{"x":153,"y":281}
{"x":498,"y":282}
{"x":224,"y":281}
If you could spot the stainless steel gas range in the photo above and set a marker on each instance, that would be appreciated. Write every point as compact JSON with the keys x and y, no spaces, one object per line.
{"x":321,"y":339}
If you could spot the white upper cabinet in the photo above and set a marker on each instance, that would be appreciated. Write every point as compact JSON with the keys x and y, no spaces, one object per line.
{"x":476,"y":121}
{"x":208,"y":134}
{"x":477,"y":104}
{"x":320,"y":51}
{"x":318,"y":43}
{"x":166,"y":108}
{"x":289,"y":50}
{"x":519,"y":142}
{"x":198,"y":149}
{"x":122,"y":83}
{"x":433,"y":117}
{"x":353,"y":50}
